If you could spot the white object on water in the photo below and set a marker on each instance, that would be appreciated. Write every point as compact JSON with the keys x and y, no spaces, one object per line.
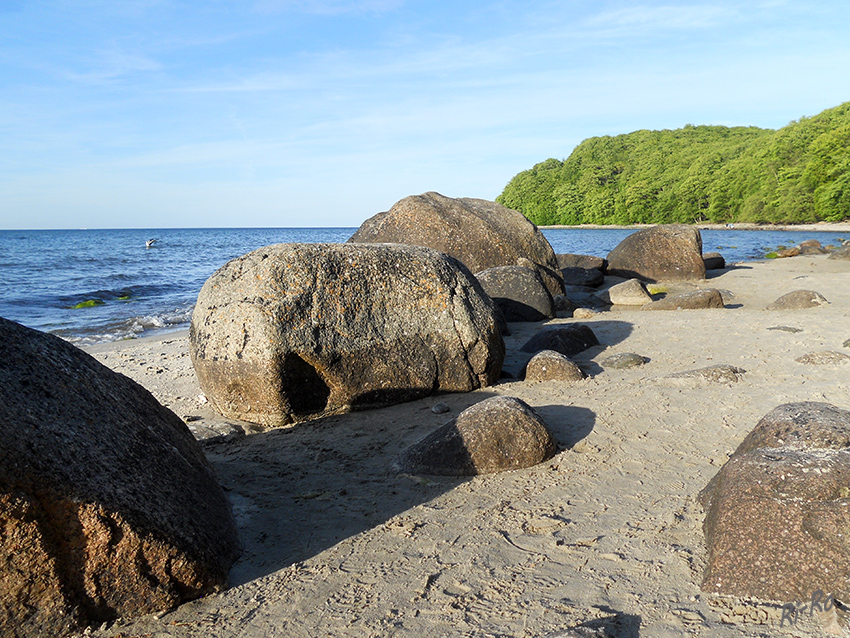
{"x":149,"y":243}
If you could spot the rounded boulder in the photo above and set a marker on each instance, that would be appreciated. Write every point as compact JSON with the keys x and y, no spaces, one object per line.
{"x":108,"y":507}
{"x":480,"y":233}
{"x":660,"y":253}
{"x":297,"y":331}
{"x":495,"y":435}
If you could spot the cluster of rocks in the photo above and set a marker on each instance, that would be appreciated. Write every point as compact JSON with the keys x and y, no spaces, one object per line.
{"x":812,"y":247}
{"x":778,"y":511}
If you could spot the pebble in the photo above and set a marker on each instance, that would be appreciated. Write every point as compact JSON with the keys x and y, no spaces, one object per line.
{"x":440,"y":408}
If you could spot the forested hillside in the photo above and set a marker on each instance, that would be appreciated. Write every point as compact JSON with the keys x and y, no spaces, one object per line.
{"x":798,"y":174}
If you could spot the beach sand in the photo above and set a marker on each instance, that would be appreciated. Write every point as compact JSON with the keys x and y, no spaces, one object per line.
{"x":605,"y":536}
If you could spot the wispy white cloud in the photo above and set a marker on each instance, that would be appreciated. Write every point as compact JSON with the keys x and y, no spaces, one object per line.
{"x":327,"y":7}
{"x":664,"y":17}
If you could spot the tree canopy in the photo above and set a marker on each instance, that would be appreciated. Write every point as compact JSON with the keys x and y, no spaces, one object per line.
{"x":797,"y":174}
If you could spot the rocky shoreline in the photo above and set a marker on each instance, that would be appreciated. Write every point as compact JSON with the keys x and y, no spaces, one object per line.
{"x":604,"y":537}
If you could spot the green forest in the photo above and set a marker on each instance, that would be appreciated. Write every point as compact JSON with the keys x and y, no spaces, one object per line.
{"x":797,"y":174}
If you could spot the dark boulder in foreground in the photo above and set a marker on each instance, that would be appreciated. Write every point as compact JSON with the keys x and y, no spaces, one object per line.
{"x":108,"y":507}
{"x":495,"y":435}
{"x":519,"y":292}
{"x":480,"y":233}
{"x":798,"y":300}
{"x":567,"y":339}
{"x":296,"y":331}
{"x":777,"y":512}
{"x":660,"y":253}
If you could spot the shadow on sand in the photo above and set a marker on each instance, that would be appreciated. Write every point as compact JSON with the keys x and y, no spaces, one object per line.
{"x":298,"y":491}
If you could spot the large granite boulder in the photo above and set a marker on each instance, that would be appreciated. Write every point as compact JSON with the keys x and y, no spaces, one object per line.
{"x":108,"y":507}
{"x":495,"y":435}
{"x":296,"y":331}
{"x":480,"y":233}
{"x":778,"y":510}
{"x":660,"y":253}
{"x":519,"y":292}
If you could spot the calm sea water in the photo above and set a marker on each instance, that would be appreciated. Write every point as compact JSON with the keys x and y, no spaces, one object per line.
{"x":91,"y":286}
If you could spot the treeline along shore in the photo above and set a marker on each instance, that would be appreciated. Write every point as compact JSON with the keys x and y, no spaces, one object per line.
{"x":794,"y":175}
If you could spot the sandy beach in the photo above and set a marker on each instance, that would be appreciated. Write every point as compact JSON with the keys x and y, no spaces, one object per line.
{"x":604,"y":539}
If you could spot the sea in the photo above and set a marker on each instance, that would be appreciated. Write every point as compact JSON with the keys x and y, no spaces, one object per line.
{"x":96,"y":286}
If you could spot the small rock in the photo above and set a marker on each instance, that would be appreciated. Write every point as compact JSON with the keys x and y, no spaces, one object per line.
{"x":549,"y":365}
{"x":628,"y":293}
{"x":826,"y":357}
{"x":495,"y":435}
{"x":585,"y":313}
{"x":713,"y":261}
{"x":798,"y":300}
{"x":713,"y":374}
{"x":846,"y":344}
{"x":697,"y":300}
{"x":788,"y":252}
{"x":841,"y":253}
{"x":623,"y":360}
{"x":440,"y":408}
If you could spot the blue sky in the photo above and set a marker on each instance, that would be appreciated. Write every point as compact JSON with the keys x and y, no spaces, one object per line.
{"x":169,"y":113}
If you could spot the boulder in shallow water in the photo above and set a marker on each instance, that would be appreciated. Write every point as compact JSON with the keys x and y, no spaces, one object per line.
{"x":480,"y":233}
{"x":495,"y":435}
{"x":108,"y":507}
{"x":297,"y":331}
{"x":660,"y":253}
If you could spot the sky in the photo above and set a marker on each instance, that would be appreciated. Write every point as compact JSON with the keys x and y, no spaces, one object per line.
{"x":288,"y":113}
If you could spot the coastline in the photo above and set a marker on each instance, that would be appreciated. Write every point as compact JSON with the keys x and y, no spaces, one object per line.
{"x":837,"y":227}
{"x":605,"y":535}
